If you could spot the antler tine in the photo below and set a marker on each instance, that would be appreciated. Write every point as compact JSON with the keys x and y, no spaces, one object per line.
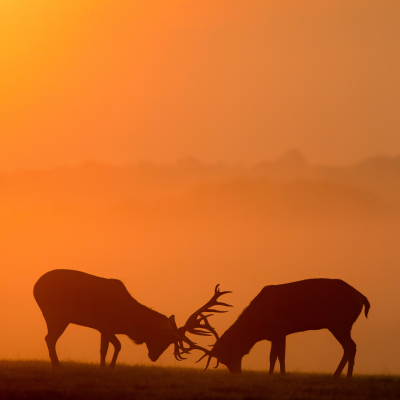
{"x":205,"y":316}
{"x":218,"y":291}
{"x":199,"y":332}
{"x":206,"y":325}
{"x":204,"y":355}
{"x":208,"y":362}
{"x":218,"y":303}
{"x":179,"y":357}
{"x":177,"y":352}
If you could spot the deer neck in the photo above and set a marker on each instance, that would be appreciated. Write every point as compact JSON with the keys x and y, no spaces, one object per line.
{"x":143,"y":322}
{"x":237,"y":340}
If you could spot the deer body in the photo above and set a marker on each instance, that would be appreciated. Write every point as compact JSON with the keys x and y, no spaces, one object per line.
{"x":73,"y":297}
{"x":281,"y":310}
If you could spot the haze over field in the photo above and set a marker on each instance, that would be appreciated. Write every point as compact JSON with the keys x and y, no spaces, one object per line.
{"x":171,"y":232}
{"x":150,"y":142}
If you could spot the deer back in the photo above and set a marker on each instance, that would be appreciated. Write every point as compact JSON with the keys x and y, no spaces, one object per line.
{"x":88,"y":300}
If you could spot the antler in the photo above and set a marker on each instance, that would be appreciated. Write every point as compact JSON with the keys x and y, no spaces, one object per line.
{"x":210,"y":356}
{"x":180,"y":338}
{"x":198,"y":324}
{"x":181,"y":349}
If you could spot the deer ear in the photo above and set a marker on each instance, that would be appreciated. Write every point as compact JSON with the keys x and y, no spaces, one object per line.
{"x":172,"y":320}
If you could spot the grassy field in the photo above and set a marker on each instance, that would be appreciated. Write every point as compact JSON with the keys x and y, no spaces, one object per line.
{"x":36,"y":380}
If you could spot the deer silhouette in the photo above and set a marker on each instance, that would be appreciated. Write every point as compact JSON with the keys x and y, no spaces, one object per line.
{"x":73,"y":297}
{"x":280,"y":310}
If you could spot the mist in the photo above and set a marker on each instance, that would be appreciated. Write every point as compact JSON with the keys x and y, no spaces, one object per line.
{"x":172,"y":232}
{"x":177,"y":145}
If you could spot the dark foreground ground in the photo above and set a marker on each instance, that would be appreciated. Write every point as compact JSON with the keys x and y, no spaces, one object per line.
{"x":36,"y":380}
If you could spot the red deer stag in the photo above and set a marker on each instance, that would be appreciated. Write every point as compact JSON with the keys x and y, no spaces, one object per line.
{"x":72,"y":297}
{"x":280,"y":310}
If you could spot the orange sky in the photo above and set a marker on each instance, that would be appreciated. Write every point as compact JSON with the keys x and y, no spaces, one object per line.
{"x":123,"y":81}
{"x":120,"y":81}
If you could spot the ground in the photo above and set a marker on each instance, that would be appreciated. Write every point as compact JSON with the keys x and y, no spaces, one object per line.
{"x":36,"y":380}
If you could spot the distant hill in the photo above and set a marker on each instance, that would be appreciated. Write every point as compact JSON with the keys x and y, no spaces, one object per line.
{"x":289,"y":186}
{"x":264,"y":199}
{"x":101,"y":184}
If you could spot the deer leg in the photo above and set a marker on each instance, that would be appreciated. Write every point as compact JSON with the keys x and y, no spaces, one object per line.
{"x":117,"y":348}
{"x":273,"y":356}
{"x":54,"y":330}
{"x":349,"y":352}
{"x":352,"y":355}
{"x":281,"y":343}
{"x":104,"y":342}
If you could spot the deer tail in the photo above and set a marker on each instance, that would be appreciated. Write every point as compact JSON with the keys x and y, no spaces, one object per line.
{"x":366,"y":306}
